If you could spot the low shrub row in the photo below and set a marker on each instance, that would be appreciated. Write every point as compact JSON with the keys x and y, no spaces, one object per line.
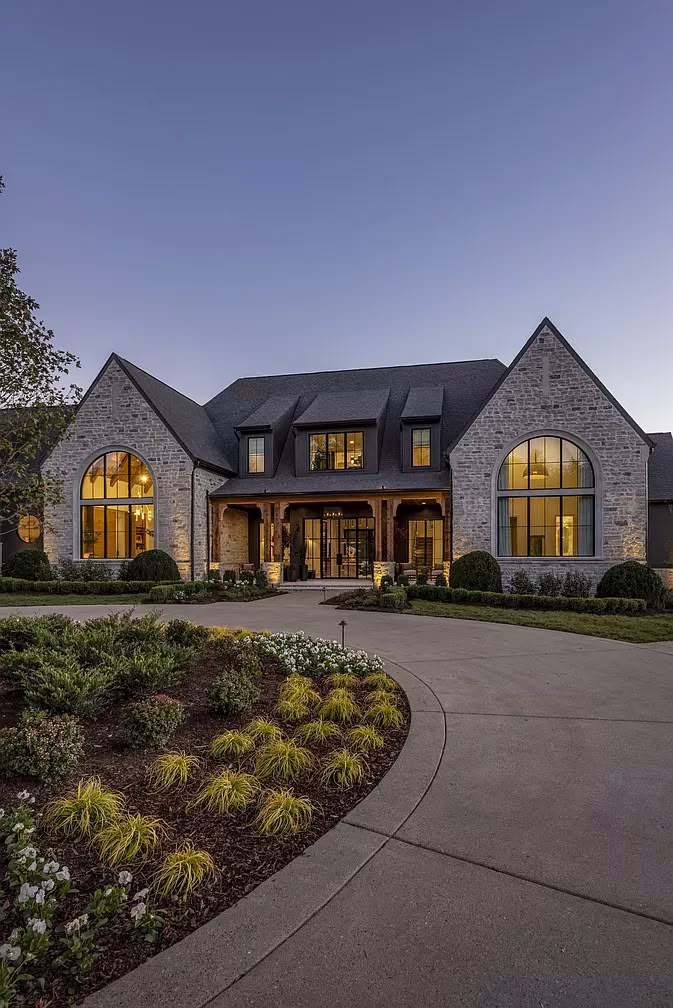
{"x":21,"y":585}
{"x":433,"y":593}
{"x":177,"y":592}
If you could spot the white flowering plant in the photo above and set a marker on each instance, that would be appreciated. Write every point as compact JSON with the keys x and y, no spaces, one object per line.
{"x":299,"y":653}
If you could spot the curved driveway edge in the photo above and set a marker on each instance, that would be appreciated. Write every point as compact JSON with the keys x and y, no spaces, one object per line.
{"x":207,"y":962}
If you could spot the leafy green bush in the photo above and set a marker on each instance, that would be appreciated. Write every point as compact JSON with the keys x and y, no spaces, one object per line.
{"x":632,"y":580}
{"x":179,"y":631}
{"x":261,"y":579}
{"x":386,"y":582}
{"x":178,"y":592}
{"x":522,"y":584}
{"x":153,"y":721}
{"x":422,"y":578}
{"x":668,"y":600}
{"x":402,"y":580}
{"x":83,"y":570}
{"x":18,"y":633}
{"x":234,"y":692}
{"x":441,"y":581}
{"x":460,"y":596}
{"x":152,"y":669}
{"x":476,"y":571}
{"x":230,"y":576}
{"x":576,"y":585}
{"x":549,"y":584}
{"x":9,"y":584}
{"x":41,"y":746}
{"x":31,"y":564}
{"x":153,"y":565}
{"x":236,"y":652}
{"x":58,"y":682}
{"x":394,"y":598}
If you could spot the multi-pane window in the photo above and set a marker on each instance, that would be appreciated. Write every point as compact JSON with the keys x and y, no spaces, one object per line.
{"x":425,"y":543}
{"x":532,"y":521}
{"x":256,"y":455}
{"x":336,"y":451}
{"x":420,"y":446}
{"x":119,"y":530}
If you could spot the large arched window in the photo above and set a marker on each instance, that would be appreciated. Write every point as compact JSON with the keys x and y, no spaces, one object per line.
{"x":116,"y":508}
{"x":546,"y":500}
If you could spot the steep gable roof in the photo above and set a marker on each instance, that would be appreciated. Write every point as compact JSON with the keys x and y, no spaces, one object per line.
{"x":187,"y":421}
{"x":660,"y":467}
{"x":547,"y":324}
{"x":346,"y":406}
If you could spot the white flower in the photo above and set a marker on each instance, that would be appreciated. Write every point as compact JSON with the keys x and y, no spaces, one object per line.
{"x":50,"y":866}
{"x":10,"y":952}
{"x":32,"y":867}
{"x":39,"y":896}
{"x":28,"y":852}
{"x":125,"y":878}
{"x":27,"y":892}
{"x":138,"y":911}
{"x":141,"y":894}
{"x":107,"y":892}
{"x":38,"y":925}
{"x":63,"y":875}
{"x":18,"y":828}
{"x":14,"y":936}
{"x":74,"y":926}
{"x":2,"y":813}
{"x":47,"y":884}
{"x":26,"y":796}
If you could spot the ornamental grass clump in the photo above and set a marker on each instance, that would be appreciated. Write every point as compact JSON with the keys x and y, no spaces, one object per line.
{"x":283,"y":813}
{"x":381,"y":696}
{"x":301,"y":689}
{"x":383,"y":714}
{"x":339,"y":705}
{"x":318,"y":732}
{"x":128,"y":838}
{"x":380,"y":681}
{"x":343,"y":680}
{"x":231,"y":743}
{"x":263,"y":731}
{"x":364,"y":738}
{"x":291,"y":709}
{"x":183,"y":871}
{"x":172,"y":770}
{"x":228,"y":791}
{"x":84,"y":811}
{"x":342,"y":769}
{"x":282,"y":758}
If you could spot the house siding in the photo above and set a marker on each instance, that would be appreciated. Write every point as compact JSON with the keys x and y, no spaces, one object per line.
{"x":116,"y":415}
{"x":549,"y":391}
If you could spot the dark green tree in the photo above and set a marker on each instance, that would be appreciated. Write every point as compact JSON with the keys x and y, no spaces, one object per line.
{"x":36,"y":404}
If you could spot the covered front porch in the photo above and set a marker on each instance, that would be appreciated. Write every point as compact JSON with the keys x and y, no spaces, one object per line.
{"x":352,"y":538}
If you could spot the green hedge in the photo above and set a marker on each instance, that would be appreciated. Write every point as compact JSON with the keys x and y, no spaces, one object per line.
{"x":168,"y":592}
{"x":74,"y":587}
{"x":462,"y":596}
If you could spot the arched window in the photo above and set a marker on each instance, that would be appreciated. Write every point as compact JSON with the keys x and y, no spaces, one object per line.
{"x":116,"y":508}
{"x":546,"y":500}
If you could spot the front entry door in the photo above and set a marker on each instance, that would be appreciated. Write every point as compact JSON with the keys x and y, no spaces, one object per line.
{"x":346,"y":546}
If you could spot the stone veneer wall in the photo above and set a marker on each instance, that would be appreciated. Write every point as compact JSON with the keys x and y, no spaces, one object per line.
{"x":234,"y":549}
{"x":204,"y":483}
{"x":548,"y":391}
{"x":115,"y":415}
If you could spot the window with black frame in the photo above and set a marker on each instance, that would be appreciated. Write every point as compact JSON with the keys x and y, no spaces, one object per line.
{"x":256,"y":455}
{"x":420,"y":447}
{"x":116,"y":508}
{"x":336,"y":451}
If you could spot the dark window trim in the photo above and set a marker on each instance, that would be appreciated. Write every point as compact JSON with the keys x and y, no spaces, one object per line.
{"x":415,"y":428}
{"x":256,"y":437}
{"x":330,"y":433}
{"x":549,"y":556}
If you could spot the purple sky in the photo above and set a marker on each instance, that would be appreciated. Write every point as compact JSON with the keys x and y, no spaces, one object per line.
{"x":223,"y":189}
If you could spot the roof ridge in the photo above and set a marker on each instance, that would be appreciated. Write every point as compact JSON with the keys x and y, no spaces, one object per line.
{"x":148,"y":374}
{"x":377,"y":367}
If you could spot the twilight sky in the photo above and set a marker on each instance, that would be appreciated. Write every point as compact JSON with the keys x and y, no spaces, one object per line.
{"x":216,"y":189}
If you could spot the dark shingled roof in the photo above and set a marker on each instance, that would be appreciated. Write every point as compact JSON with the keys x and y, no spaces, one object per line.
{"x":188,"y":421}
{"x":660,"y":468}
{"x":465,"y":385}
{"x":269,"y":413}
{"x":424,"y":402}
{"x":345,"y":406}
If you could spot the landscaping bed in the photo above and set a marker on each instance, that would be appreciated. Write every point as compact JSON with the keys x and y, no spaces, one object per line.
{"x":226,"y":682}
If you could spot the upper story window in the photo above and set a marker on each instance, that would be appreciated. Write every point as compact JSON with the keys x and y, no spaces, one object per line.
{"x":420,"y":446}
{"x":256,"y":455}
{"x":336,"y":451}
{"x":122,"y":529}
{"x":534,"y":522}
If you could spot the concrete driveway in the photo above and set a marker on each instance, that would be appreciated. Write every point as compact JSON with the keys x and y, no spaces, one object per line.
{"x":519,"y":853}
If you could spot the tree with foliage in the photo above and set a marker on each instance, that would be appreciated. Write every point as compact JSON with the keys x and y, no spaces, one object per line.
{"x":35,"y":403}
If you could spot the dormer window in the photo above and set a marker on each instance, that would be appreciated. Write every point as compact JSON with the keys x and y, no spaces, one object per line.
{"x":336,"y":451}
{"x":256,"y":455}
{"x":420,"y":447}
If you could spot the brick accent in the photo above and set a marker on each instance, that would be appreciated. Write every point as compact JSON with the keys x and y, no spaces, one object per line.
{"x":548,"y":391}
{"x":115,"y":415}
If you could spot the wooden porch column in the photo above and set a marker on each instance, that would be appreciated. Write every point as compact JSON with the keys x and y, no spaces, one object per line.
{"x":445,"y":504}
{"x":266,"y":517}
{"x":392,"y":505}
{"x":375,"y":504}
{"x":278,"y":512}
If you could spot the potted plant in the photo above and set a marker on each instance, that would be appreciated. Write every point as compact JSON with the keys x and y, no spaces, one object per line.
{"x":303,"y":569}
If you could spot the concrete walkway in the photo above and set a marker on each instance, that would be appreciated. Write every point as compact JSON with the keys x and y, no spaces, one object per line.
{"x":519,"y":852}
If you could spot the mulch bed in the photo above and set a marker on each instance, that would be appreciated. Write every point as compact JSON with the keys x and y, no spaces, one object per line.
{"x":244,"y":858}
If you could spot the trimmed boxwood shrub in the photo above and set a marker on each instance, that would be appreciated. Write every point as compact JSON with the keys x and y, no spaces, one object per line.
{"x":234,"y":692}
{"x":22,"y":586}
{"x":461,"y":596}
{"x":31,"y":564}
{"x":151,"y":722}
{"x":476,"y":571}
{"x":633,"y":580}
{"x":153,"y":565}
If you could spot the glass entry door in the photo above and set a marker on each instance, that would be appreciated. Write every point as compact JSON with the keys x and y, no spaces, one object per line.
{"x":345,"y":548}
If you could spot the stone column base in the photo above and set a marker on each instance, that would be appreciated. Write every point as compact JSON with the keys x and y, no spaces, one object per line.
{"x":274,"y":571}
{"x":381,"y":568}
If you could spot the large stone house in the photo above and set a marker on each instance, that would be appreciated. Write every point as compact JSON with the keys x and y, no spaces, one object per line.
{"x":344,"y":474}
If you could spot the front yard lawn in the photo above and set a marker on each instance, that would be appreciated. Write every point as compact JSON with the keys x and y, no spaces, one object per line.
{"x":636,"y":628}
{"x":152,"y":774}
{"x":18,"y":599}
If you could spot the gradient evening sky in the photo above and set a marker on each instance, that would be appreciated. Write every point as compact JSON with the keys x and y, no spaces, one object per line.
{"x":216,"y":189}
